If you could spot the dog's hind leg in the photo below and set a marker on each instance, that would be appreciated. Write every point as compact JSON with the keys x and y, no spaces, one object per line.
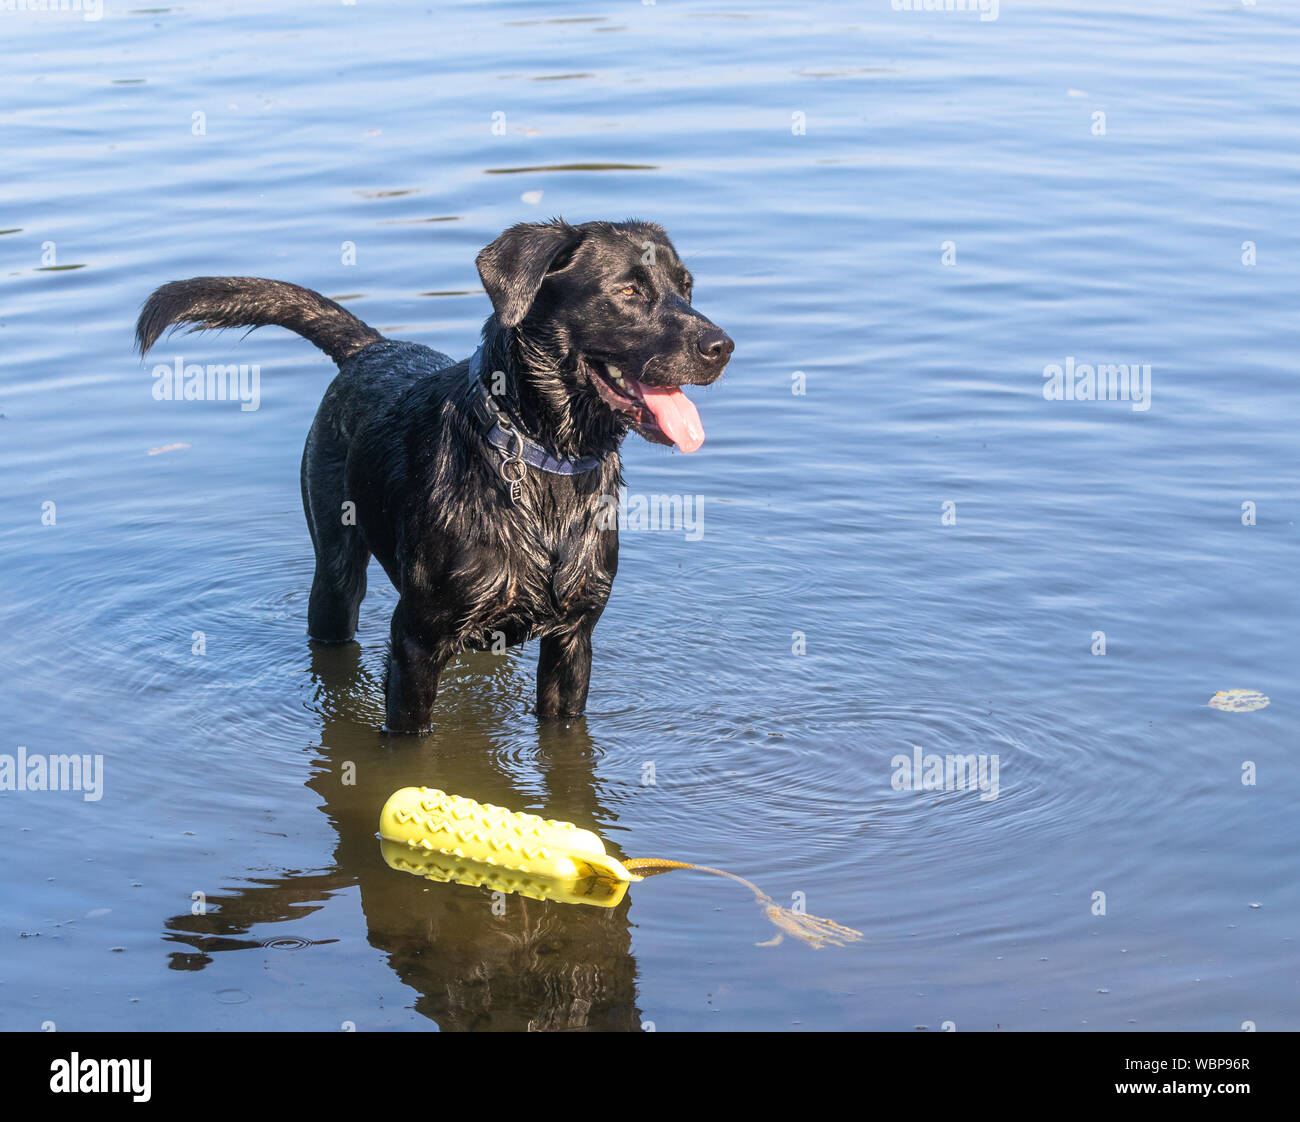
{"x":339,"y":584}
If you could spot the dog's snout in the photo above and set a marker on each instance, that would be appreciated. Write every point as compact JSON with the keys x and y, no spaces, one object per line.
{"x":715,"y":345}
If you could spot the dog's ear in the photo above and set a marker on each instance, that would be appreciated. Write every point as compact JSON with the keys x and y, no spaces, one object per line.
{"x":513,"y":267}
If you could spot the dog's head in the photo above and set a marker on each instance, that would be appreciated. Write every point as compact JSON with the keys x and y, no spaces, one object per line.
{"x":604,"y":310}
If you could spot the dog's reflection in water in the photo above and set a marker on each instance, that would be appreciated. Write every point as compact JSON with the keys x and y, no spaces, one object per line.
{"x":478,"y":960}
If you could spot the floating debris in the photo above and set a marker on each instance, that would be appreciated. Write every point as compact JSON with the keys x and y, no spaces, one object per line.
{"x":1238,"y":701}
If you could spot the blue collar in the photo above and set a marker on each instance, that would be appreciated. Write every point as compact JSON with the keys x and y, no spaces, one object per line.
{"x":505,"y":433}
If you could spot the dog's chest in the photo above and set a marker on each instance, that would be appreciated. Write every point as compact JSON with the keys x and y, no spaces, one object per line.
{"x":543,"y":577}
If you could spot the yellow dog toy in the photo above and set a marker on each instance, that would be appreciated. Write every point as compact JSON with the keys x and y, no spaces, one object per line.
{"x":449,"y":838}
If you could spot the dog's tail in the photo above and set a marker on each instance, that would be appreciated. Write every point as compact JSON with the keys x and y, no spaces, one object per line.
{"x":208,"y":302}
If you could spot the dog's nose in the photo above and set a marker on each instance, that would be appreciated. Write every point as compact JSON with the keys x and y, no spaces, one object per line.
{"x":716,"y":345}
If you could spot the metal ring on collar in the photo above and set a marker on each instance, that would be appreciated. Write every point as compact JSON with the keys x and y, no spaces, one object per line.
{"x":513,"y":463}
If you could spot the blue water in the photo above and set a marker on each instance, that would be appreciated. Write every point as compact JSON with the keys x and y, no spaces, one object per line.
{"x":907,"y":216}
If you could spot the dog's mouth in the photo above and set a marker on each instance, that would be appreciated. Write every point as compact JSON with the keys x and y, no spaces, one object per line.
{"x":662,"y":414}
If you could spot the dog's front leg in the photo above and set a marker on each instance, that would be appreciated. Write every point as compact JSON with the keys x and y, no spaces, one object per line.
{"x":415,"y":664}
{"x":564,"y":672}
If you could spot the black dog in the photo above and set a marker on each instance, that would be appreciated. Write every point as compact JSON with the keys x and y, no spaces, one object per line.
{"x":487,"y":488}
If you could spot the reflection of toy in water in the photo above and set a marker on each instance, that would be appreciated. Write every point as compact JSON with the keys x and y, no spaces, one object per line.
{"x":433,"y":865}
{"x":449,"y":838}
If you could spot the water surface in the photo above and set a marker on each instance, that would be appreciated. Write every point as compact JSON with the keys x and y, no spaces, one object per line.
{"x":916,"y":551}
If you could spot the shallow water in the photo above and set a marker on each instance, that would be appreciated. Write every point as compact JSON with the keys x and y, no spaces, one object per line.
{"x":823,"y":517}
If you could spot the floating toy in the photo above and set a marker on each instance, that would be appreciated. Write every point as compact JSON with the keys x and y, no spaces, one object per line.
{"x":450,"y":838}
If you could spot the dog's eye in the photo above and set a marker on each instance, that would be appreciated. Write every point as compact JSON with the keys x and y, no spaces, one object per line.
{"x":627,"y":290}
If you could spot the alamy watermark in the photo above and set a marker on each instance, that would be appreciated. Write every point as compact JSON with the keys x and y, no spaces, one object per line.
{"x":680,"y":513}
{"x":1107,"y":381}
{"x":37,"y":772}
{"x":84,"y":1075}
{"x":182,"y":381}
{"x":92,"y":11}
{"x":922,"y":771}
{"x":988,"y":9}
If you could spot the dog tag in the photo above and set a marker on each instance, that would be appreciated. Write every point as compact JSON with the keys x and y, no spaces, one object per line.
{"x":514,"y":479}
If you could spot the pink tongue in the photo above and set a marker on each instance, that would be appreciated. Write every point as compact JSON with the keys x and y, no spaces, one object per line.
{"x":676,"y":416}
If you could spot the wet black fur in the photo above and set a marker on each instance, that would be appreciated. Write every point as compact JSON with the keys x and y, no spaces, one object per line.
{"x":394,"y":436}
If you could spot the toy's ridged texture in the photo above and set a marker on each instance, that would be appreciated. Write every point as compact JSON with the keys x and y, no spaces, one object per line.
{"x":430,"y":821}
